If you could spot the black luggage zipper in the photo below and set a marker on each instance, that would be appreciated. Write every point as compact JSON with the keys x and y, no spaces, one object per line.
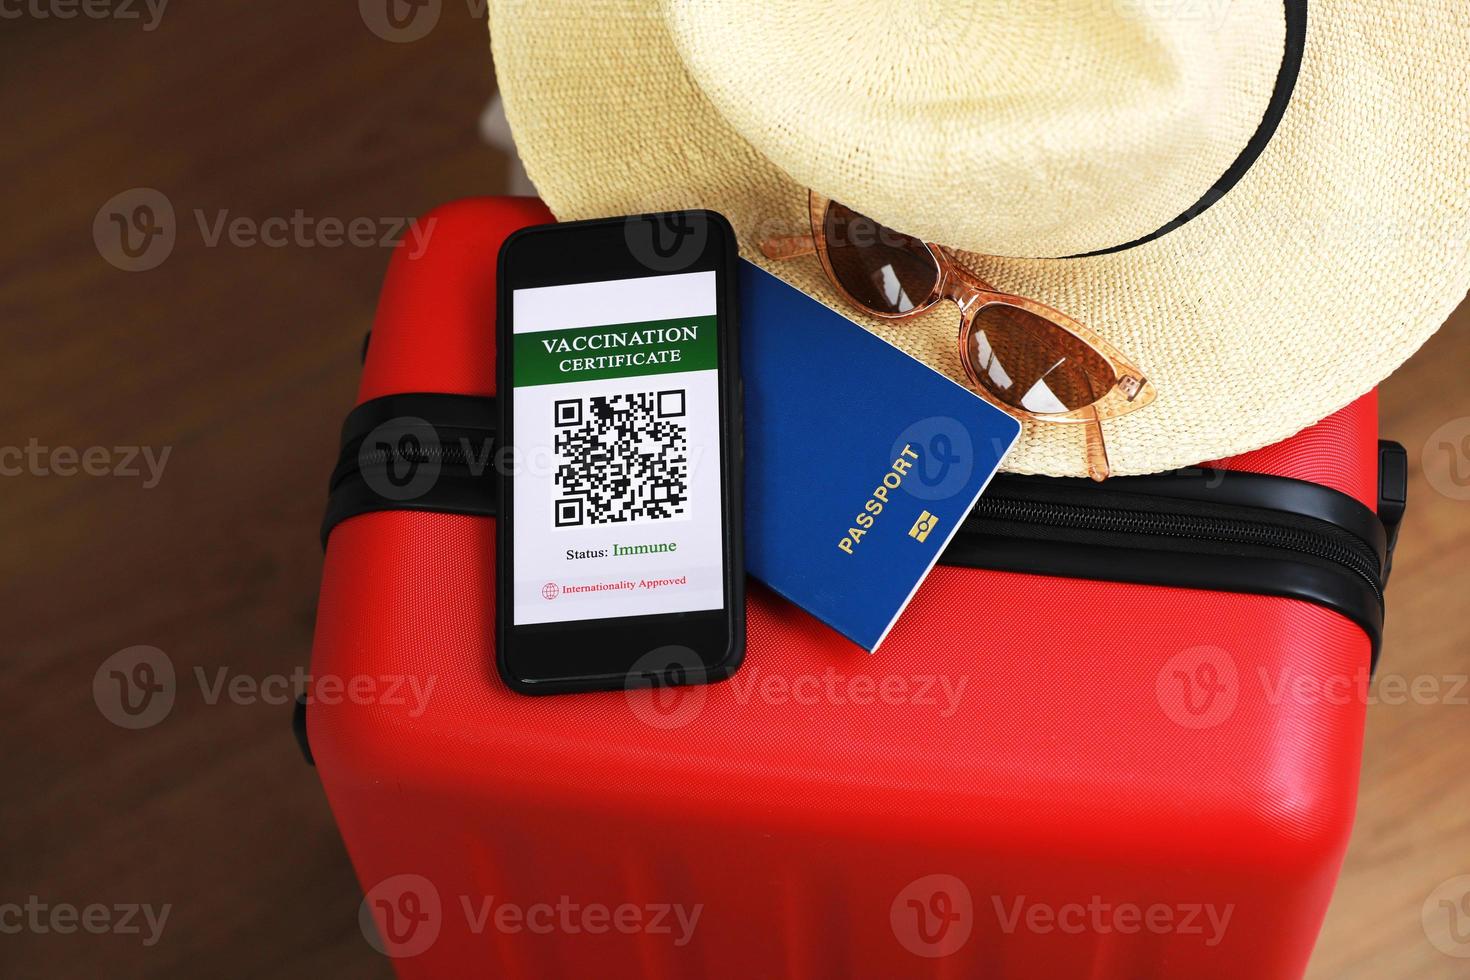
{"x":1207,"y":529}
{"x":1327,"y":544}
{"x":453,"y":454}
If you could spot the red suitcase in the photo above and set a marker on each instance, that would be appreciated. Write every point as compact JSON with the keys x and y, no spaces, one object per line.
{"x":1037,"y":776}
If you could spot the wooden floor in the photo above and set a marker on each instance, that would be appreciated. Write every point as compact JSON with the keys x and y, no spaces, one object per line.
{"x":241,"y":361}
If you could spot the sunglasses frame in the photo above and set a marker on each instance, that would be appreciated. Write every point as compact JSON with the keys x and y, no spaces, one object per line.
{"x":1130,"y":390}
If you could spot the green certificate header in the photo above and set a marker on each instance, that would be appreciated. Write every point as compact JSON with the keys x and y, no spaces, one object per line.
{"x":618,"y":350}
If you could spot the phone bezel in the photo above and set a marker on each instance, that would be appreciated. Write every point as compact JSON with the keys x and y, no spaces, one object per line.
{"x":600,"y":654}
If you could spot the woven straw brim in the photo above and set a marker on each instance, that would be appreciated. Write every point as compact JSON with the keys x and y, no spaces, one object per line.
{"x":1335,"y":257}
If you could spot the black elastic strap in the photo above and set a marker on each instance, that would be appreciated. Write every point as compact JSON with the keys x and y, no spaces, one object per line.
{"x":450,"y":423}
{"x":419,"y":451}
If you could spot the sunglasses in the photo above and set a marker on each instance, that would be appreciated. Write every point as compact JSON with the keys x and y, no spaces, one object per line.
{"x":1022,"y":356}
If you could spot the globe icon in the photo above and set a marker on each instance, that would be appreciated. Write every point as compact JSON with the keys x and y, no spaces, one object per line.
{"x":550,"y":590}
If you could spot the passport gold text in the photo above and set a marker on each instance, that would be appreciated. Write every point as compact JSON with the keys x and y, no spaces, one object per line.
{"x":868,"y":516}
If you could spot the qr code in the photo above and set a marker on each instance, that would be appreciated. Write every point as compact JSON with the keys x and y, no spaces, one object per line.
{"x":620,"y":458}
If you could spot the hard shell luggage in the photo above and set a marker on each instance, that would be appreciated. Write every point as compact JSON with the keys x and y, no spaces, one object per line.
{"x":1116,"y":734}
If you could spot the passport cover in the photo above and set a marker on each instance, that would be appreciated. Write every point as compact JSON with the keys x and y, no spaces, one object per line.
{"x":860,"y":461}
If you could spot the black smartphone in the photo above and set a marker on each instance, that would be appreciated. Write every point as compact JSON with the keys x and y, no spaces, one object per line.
{"x":619,"y":561}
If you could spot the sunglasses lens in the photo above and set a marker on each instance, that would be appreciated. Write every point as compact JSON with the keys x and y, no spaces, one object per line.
{"x":883,"y":270}
{"x":1029,"y":362}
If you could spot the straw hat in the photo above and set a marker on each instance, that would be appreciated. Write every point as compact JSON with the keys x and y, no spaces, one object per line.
{"x":1262,"y":203}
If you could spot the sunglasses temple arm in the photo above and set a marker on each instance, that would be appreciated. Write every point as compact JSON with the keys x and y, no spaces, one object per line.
{"x":1098,"y":466}
{"x":788,"y":246}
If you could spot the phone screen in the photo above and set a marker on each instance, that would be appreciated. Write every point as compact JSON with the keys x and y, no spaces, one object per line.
{"x":619,"y":558}
{"x":617,"y":444}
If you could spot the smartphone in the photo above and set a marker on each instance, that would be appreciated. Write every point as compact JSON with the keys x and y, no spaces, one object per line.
{"x":619,"y":542}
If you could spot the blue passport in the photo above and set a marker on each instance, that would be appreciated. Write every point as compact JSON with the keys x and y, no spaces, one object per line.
{"x":860,"y":461}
